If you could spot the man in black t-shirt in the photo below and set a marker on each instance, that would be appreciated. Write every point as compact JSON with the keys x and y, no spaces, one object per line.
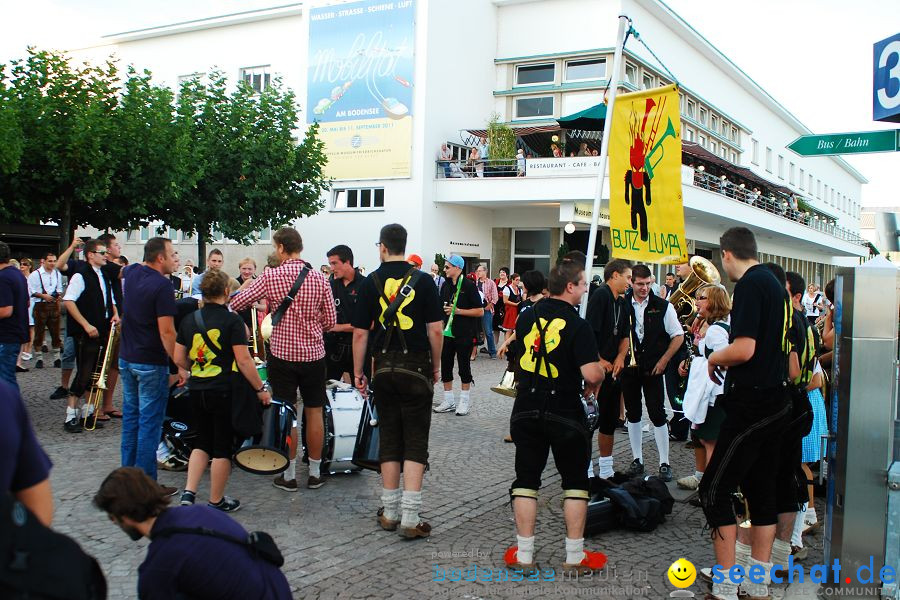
{"x":345,"y":281}
{"x":749,"y":449}
{"x":13,"y":316}
{"x":466,"y":317}
{"x":556,"y":351}
{"x":607,"y":315}
{"x":405,"y":347}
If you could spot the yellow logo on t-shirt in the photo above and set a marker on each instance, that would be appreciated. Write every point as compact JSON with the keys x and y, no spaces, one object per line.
{"x":202,"y":356}
{"x":532,"y":343}
{"x":391,"y":287}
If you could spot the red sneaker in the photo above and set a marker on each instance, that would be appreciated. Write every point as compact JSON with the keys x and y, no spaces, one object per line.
{"x":511,"y":560}
{"x":593,"y":561}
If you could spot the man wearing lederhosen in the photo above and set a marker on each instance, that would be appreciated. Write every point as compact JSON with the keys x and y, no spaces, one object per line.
{"x":557,"y":350}
{"x":90,"y":305}
{"x":608,"y":317}
{"x":45,"y":286}
{"x":345,"y":281}
{"x":400,"y":306}
{"x":658,"y":335}
{"x":749,"y":448}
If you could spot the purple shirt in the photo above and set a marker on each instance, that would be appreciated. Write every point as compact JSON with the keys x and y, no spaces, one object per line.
{"x":201,"y":566}
{"x":148,"y":296}
{"x":23,"y":463}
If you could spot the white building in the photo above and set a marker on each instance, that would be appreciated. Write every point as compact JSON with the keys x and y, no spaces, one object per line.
{"x":472,"y":58}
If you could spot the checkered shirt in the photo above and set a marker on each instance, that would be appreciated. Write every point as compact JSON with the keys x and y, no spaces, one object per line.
{"x":298,"y":337}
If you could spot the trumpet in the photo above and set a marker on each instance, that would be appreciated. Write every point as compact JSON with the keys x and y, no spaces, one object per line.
{"x":98,"y":380}
{"x":703,"y":272}
{"x":448,"y":328}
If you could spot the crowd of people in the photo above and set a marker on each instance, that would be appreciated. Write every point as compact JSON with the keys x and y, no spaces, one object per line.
{"x":751,"y":391}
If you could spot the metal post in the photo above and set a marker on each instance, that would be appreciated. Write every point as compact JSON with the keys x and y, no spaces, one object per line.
{"x":624,"y":24}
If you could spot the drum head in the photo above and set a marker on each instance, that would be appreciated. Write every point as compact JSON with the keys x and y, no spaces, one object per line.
{"x":260,"y":460}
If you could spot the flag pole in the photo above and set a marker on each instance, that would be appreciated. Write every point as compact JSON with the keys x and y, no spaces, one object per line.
{"x":624,"y":23}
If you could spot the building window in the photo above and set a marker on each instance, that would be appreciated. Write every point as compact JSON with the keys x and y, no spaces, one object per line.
{"x":173,"y":235}
{"x":734,"y":135}
{"x":631,"y":74}
{"x":769,"y":160}
{"x":145,"y":234}
{"x":755,"y":155}
{"x":780,"y":167}
{"x":535,"y":74}
{"x":703,"y":140}
{"x":531,"y":250}
{"x":714,"y":147}
{"x":714,"y":124}
{"x":257,"y":78}
{"x":691,"y":110}
{"x":703,"y":114}
{"x":187,"y":236}
{"x":585,"y":70}
{"x":534,"y":107}
{"x":130,"y":236}
{"x":819,"y":189}
{"x":810,"y":184}
{"x":734,"y":157}
{"x":647,"y":81}
{"x":689,"y":133}
{"x":265,"y":234}
{"x":791,"y":173}
{"x":217,"y":236}
{"x":359,"y":199}
{"x":802,"y":180}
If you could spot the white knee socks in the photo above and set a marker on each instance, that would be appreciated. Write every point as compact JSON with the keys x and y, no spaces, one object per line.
{"x":781,"y":550}
{"x":575,"y":549}
{"x":606,"y":466}
{"x":390,"y":500}
{"x":525,"y":553}
{"x":634,"y":438}
{"x":758,"y":590}
{"x":799,"y":526}
{"x":661,"y":434}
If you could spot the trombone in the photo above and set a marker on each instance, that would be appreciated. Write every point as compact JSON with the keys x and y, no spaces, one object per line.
{"x":448,"y":328}
{"x":98,"y":380}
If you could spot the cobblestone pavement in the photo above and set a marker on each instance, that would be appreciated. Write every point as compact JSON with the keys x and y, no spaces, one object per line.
{"x":332,"y":545}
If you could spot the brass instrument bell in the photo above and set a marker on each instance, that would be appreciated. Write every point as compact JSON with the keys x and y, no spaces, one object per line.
{"x":507,"y":385}
{"x":703,"y":272}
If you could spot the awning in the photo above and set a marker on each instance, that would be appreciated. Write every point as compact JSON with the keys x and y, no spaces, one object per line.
{"x":589,"y":119}
{"x":519,"y":131}
{"x":695,"y":150}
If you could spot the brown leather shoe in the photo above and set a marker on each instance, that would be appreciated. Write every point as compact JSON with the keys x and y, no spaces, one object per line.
{"x":386,"y":524}
{"x":422,"y":530}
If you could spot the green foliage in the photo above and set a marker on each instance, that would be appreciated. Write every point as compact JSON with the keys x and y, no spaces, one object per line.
{"x":501,"y":139}
{"x":440,"y":260}
{"x":562,"y":251}
{"x":238,"y":168}
{"x":11,"y":141}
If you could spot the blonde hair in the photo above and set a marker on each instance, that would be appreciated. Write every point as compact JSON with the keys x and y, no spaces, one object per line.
{"x":246,"y":261}
{"x":718,"y":302}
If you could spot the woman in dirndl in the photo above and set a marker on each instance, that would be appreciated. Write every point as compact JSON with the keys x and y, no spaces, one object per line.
{"x":812,"y":443}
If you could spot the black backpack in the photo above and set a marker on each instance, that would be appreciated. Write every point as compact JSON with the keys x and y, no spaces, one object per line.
{"x":633,"y":511}
{"x":37,"y":563}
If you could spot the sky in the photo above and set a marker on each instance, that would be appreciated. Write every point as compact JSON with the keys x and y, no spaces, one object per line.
{"x":813,"y":56}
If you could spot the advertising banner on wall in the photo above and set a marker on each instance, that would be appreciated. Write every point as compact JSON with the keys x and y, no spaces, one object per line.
{"x":360,"y":86}
{"x":646,"y":211}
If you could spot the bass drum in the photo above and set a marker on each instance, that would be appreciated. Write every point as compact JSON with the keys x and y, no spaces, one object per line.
{"x":269,"y":452}
{"x":341,"y":415}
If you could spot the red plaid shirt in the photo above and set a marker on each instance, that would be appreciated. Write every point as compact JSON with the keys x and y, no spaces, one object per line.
{"x":298,"y":337}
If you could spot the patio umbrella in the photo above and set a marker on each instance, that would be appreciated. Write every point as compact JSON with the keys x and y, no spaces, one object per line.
{"x":589,"y":119}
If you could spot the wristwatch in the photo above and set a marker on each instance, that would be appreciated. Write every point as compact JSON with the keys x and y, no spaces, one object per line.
{"x":264,"y":388}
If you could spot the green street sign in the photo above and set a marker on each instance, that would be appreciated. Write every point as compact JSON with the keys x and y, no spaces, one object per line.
{"x":860,"y":142}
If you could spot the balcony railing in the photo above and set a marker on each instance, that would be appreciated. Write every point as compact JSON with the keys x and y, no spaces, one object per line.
{"x":482,"y":167}
{"x":779,"y":205}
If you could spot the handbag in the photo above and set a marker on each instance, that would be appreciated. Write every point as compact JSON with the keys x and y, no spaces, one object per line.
{"x":246,"y":410}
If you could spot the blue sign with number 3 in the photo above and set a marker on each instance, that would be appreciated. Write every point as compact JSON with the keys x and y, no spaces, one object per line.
{"x":886,"y":90}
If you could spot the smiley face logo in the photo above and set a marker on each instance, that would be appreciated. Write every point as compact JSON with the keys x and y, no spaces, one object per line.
{"x":682,"y":573}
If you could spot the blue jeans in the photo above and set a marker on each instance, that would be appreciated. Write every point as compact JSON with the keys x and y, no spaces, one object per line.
{"x":487,"y":322}
{"x":9,"y":353}
{"x":145,"y":391}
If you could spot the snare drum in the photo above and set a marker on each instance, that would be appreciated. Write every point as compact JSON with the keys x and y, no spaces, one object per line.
{"x":269,"y":453}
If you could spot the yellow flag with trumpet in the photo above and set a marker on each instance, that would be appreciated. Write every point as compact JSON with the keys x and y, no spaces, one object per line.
{"x":645,"y":204}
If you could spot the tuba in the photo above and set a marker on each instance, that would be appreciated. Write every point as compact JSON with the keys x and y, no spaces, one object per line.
{"x":98,"y":380}
{"x":703,"y":272}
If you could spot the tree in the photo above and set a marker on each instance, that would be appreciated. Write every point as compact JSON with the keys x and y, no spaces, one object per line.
{"x":238,"y":167}
{"x":501,"y":139}
{"x":64,"y":114}
{"x":10,"y":131}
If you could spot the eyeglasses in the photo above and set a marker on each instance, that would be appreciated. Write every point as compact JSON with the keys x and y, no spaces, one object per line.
{"x":377,"y":244}
{"x":101,"y":252}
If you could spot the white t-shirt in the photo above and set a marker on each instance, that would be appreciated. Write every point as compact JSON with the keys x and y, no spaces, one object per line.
{"x":716,"y":337}
{"x":809,"y":304}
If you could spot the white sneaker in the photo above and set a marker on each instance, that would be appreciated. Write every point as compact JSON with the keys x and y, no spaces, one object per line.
{"x":26,"y":356}
{"x":445,"y":406}
{"x":689,"y":483}
{"x":463,"y":408}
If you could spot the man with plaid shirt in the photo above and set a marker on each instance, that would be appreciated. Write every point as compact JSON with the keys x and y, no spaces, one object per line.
{"x":297,"y":348}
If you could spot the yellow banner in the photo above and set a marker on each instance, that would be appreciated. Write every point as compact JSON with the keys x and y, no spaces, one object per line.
{"x":645,"y":207}
{"x":369,"y":149}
